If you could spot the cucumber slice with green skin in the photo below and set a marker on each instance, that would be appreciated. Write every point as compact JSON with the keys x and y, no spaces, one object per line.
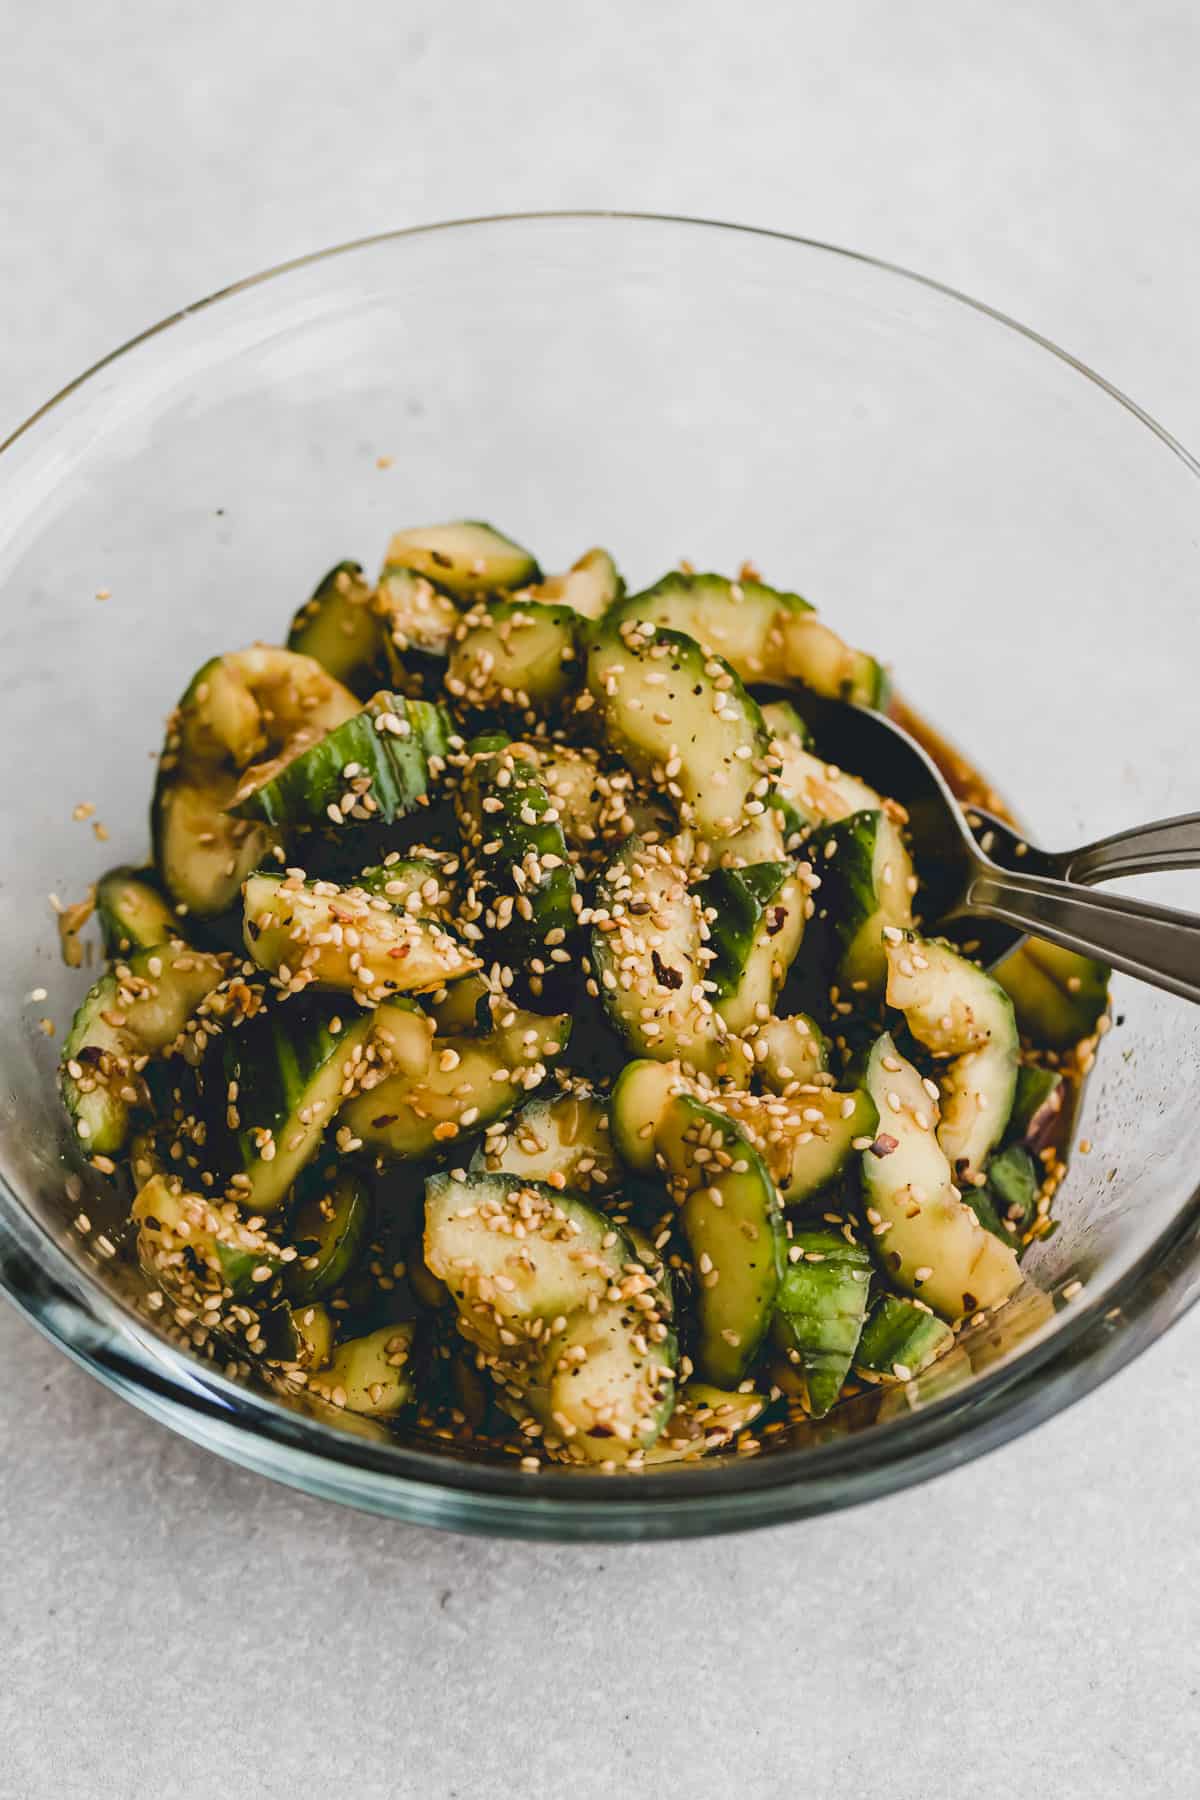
{"x":376,"y":767}
{"x":638,"y":1101}
{"x":650,"y":959}
{"x":808,"y":651}
{"x":705,"y":1419}
{"x":731,"y":1217}
{"x":820,"y":1312}
{"x":958,"y":1011}
{"x":464,"y":1008}
{"x":289,"y":1070}
{"x":589,"y":587}
{"x":411,"y":1116}
{"x":415,"y":885}
{"x":899,"y":1339}
{"x":596,"y":806}
{"x":738,"y":620}
{"x":563,"y":1138}
{"x":236,"y":708}
{"x":192,"y":1246}
{"x":684,"y":721}
{"x":756,"y":921}
{"x":932,"y":1245}
{"x":339,"y":628}
{"x":418,"y":624}
{"x":328,"y":1231}
{"x":509,"y":824}
{"x":132,"y":913}
{"x":806,"y":1138}
{"x":372,"y":1375}
{"x":787,"y":726}
{"x":515,"y":653}
{"x":133,"y":1012}
{"x":867,"y":887}
{"x":318,"y":935}
{"x":1059,"y":997}
{"x":465,"y":558}
{"x":762,"y":840}
{"x":793,"y":1051}
{"x":1037,"y":1107}
{"x":553,"y":1295}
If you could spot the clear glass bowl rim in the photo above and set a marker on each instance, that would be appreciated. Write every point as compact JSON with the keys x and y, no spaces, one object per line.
{"x":1094,"y":1342}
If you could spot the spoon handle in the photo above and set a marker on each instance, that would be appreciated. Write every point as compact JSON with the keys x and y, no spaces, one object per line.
{"x":1154,"y":943}
{"x":1143,"y":850}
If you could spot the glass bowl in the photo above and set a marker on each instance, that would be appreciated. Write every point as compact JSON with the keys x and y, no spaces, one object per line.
{"x":1015,"y":537}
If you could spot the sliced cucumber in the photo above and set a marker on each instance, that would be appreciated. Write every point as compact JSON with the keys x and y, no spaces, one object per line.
{"x":819,"y":792}
{"x":328,"y":1231}
{"x":899,"y":1339}
{"x":733,"y":1223}
{"x":552,"y":1294}
{"x":469,"y":1083}
{"x":1059,"y":997}
{"x":515,"y":653}
{"x":705,"y":1419}
{"x":931,"y":1242}
{"x":522,"y":888}
{"x":313,"y":1335}
{"x":465,"y":558}
{"x":639,"y":1100}
{"x":683,"y":720}
{"x":202,"y":853}
{"x":589,"y":587}
{"x":787,"y":726}
{"x":132,"y":913}
{"x":371,"y":1374}
{"x":867,"y":887}
{"x":313,"y":934}
{"x":563,"y":1139}
{"x":957,"y":1011}
{"x":133,"y":1012}
{"x":464,"y":1008}
{"x":192,"y":1246}
{"x":418,"y":623}
{"x":807,"y":1137}
{"x":821,"y":1308}
{"x":416,"y":885}
{"x":756,"y":922}
{"x":287,"y":1072}
{"x":789,"y":1052}
{"x":738,"y":620}
{"x":378,"y":766}
{"x":339,"y":628}
{"x":810,"y":652}
{"x":650,"y":960}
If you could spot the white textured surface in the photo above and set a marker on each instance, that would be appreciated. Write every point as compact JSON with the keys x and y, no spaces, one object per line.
{"x":1027,"y":1625}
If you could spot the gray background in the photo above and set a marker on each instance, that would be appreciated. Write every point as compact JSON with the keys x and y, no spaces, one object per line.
{"x":170,"y":1626}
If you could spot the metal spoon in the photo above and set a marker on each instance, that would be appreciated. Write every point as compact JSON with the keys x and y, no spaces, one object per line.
{"x":1040,"y":891}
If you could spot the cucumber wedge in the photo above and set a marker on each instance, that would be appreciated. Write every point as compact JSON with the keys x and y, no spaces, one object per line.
{"x":683,"y":720}
{"x":416,"y":885}
{"x":610,"y":1376}
{"x":705,"y":1419}
{"x":339,"y":628}
{"x":470,"y":1082}
{"x":899,"y":1339}
{"x":328,"y":1231}
{"x":1058,"y":997}
{"x":515,"y":653}
{"x":133,"y":1012}
{"x":931,"y":1243}
{"x":821,"y":1308}
{"x":313,"y":934}
{"x":639,"y":1099}
{"x":589,"y":587}
{"x":738,"y":620}
{"x":957,"y":1011}
{"x":810,"y":652}
{"x":201,"y":852}
{"x":806,"y":1138}
{"x":787,"y":726}
{"x":376,"y":767}
{"x":789,"y":1052}
{"x":466,"y":558}
{"x":819,"y":792}
{"x":867,"y":886}
{"x":733,"y":1223}
{"x":132,"y":913}
{"x":756,"y":919}
{"x":192,"y":1246}
{"x":372,"y":1375}
{"x":563,"y":1139}
{"x":521,"y":893}
{"x":417,"y":622}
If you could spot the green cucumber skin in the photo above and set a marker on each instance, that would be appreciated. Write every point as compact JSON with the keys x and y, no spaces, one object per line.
{"x":740,"y":897}
{"x":338,"y":1241}
{"x":304,"y":789}
{"x":821,"y":1310}
{"x":132,"y":913}
{"x":551,"y":899}
{"x":1035,"y":976}
{"x":354,"y":656}
{"x":899,"y":1333}
{"x":274,"y":1059}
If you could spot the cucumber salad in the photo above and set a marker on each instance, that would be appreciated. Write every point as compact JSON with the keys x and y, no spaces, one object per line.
{"x":523,"y":1035}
